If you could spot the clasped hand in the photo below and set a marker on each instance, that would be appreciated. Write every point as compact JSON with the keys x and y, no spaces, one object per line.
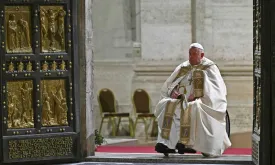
{"x":177,"y":95}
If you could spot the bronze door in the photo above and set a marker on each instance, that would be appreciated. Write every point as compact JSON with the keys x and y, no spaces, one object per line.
{"x":39,"y":88}
{"x":263,"y":146}
{"x":257,"y":80}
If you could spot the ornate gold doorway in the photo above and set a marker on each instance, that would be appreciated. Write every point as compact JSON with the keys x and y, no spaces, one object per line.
{"x":39,"y":100}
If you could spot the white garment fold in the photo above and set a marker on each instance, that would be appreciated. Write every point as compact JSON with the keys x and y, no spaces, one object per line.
{"x":208,"y":132}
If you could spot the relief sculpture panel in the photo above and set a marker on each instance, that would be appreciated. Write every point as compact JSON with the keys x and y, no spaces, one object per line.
{"x":20,"y":104}
{"x":18,"y":27}
{"x":58,"y":65}
{"x":17,"y":67}
{"x":52,"y":28}
{"x":54,"y":103}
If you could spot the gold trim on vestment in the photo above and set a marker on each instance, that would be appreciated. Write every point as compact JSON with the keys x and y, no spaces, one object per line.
{"x":185,"y":125}
{"x":168,"y":119}
{"x":183,"y":71}
{"x":186,"y":68}
{"x":198,"y":83}
{"x":185,"y":118}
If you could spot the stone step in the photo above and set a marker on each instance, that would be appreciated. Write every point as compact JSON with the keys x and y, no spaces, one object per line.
{"x":175,"y":158}
{"x":115,"y":163}
{"x":120,"y":141}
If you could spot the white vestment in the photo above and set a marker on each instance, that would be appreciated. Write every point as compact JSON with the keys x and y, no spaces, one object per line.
{"x":207,"y":114}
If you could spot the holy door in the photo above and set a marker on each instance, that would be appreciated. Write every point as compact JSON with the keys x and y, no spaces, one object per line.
{"x":263,"y":146}
{"x":39,"y":105}
{"x":257,"y":80}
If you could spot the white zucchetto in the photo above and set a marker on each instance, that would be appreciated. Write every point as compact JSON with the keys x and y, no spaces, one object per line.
{"x":196,"y":45}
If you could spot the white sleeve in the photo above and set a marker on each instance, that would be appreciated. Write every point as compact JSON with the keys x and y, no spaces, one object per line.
{"x":164,"y":92}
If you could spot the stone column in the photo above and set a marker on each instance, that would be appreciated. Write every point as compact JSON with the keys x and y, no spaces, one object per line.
{"x":85,"y":37}
{"x":193,"y":20}
{"x":201,"y":14}
{"x":200,"y":18}
{"x":138,"y":23}
{"x":198,"y":11}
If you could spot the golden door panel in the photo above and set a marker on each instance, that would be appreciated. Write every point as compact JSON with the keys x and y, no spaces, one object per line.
{"x":20,"y":104}
{"x":54,"y":102}
{"x":52,"y":28}
{"x":18,"y":29}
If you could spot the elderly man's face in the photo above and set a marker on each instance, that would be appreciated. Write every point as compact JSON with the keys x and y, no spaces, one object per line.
{"x":195,"y":56}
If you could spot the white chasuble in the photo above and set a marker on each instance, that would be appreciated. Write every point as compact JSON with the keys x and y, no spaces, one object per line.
{"x":198,"y":124}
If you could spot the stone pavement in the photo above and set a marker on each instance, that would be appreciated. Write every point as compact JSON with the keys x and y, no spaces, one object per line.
{"x":103,"y":158}
{"x":140,"y":158}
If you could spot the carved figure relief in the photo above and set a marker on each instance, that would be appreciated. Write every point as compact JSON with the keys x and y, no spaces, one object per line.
{"x":57,"y":65}
{"x":52,"y":28}
{"x":54,"y":107}
{"x":25,"y":66}
{"x":23,"y":34}
{"x":20,"y":104}
{"x":54,"y":66}
{"x":43,"y":28}
{"x":60,"y":31}
{"x":29,"y":67}
{"x":20,"y":67}
{"x":12,"y":33}
{"x":11,"y":67}
{"x":45,"y":66}
{"x":63,"y":65}
{"x":18,"y":23}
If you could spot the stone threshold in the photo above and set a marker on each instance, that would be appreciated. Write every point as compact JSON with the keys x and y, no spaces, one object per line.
{"x":173,"y":158}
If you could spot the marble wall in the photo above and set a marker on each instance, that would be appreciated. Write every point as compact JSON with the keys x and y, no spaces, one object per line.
{"x":229,"y":29}
{"x":112,"y":30}
{"x":167,"y":28}
{"x":86,"y":76}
